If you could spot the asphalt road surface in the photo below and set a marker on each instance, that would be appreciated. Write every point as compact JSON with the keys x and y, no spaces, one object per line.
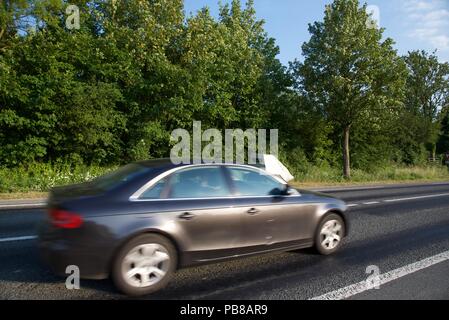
{"x":401,"y":232}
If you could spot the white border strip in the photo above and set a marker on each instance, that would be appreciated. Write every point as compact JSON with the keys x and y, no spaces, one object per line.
{"x":18,"y":238}
{"x":386,"y":186}
{"x":352,"y":290}
{"x":23,"y":205}
{"x":420,"y":197}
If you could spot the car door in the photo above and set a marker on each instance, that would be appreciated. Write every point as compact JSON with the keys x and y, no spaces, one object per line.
{"x":270,"y":219}
{"x":202,"y":203}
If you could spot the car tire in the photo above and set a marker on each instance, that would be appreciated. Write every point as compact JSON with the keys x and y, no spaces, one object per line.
{"x":329,"y":235}
{"x":144,"y":265}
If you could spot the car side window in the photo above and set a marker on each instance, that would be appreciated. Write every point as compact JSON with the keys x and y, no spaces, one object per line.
{"x":252,"y":183}
{"x":207,"y":182}
{"x":155,"y":192}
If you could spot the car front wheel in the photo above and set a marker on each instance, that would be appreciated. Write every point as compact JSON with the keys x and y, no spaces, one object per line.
{"x":330,"y":234}
{"x":144,"y":265}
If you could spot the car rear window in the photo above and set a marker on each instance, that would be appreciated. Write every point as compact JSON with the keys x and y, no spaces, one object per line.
{"x":154,"y":192}
{"x":119,"y":176}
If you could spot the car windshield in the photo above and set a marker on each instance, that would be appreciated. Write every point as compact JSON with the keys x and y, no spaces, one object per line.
{"x":118,"y":177}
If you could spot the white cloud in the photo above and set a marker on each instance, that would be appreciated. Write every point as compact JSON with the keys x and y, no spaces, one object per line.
{"x":413,"y":5}
{"x":428,"y":21}
{"x":440,"y":41}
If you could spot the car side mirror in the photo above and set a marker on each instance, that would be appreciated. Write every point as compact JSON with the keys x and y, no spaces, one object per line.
{"x":277,"y":192}
{"x":289,"y":191}
{"x":286,"y":191}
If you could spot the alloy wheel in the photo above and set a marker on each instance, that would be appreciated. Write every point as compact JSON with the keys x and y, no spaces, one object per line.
{"x":145,"y":265}
{"x":331,"y":234}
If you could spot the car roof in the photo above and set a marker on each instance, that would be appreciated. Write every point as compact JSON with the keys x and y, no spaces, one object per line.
{"x":168,"y":164}
{"x":165,"y":164}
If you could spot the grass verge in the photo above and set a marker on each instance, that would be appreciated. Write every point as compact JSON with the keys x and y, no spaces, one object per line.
{"x":36,"y":179}
{"x":316,"y":177}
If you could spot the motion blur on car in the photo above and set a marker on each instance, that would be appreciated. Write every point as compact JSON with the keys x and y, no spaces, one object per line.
{"x":141,"y":223}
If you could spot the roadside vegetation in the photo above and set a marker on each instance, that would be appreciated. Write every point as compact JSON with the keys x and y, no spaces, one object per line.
{"x":391,"y":174}
{"x":36,"y":179}
{"x":40,"y":177}
{"x":75,"y":103}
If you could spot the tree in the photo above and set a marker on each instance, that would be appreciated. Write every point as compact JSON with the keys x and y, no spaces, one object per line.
{"x":427,"y":91}
{"x":146,"y":37}
{"x":12,"y":21}
{"x":230,"y":62}
{"x":443,"y":138}
{"x":58,"y":96}
{"x":349,"y":73}
{"x":114,"y":90}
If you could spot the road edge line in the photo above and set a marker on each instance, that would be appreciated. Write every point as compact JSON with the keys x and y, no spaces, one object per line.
{"x":363,"y":286}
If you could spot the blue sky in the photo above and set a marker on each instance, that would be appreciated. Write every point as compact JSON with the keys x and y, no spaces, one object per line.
{"x":413,"y":24}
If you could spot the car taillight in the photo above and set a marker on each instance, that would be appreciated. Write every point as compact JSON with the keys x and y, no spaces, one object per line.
{"x":65,"y":219}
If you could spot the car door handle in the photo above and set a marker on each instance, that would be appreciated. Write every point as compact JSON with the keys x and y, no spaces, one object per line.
{"x":187,"y":216}
{"x":253,"y":211}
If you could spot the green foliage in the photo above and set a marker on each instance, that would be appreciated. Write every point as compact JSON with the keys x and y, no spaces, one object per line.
{"x":11,"y":22}
{"x":43,"y":176}
{"x":57,"y":103}
{"x":385,"y":174}
{"x":443,"y":139}
{"x":113,"y":91}
{"x":350,"y":74}
{"x":427,"y":84}
{"x":427,"y":94}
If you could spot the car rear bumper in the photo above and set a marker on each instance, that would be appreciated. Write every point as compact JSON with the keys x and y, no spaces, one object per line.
{"x":59,"y":252}
{"x":58,"y":256}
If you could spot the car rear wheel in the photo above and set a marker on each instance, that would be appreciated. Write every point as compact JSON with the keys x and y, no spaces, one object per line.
{"x":329,"y":235}
{"x":144,"y":265}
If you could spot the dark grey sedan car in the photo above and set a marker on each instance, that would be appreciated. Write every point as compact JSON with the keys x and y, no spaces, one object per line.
{"x":144,"y":221}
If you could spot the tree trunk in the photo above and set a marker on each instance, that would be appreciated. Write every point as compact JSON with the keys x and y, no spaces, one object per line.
{"x":346,"y":156}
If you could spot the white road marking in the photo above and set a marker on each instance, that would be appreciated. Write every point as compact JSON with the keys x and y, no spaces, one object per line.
{"x":18,"y":238}
{"x":439,"y":184}
{"x":362,"y":286}
{"x":24,"y":205}
{"x":420,"y":197}
{"x":361,"y":188}
{"x":398,"y":200}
